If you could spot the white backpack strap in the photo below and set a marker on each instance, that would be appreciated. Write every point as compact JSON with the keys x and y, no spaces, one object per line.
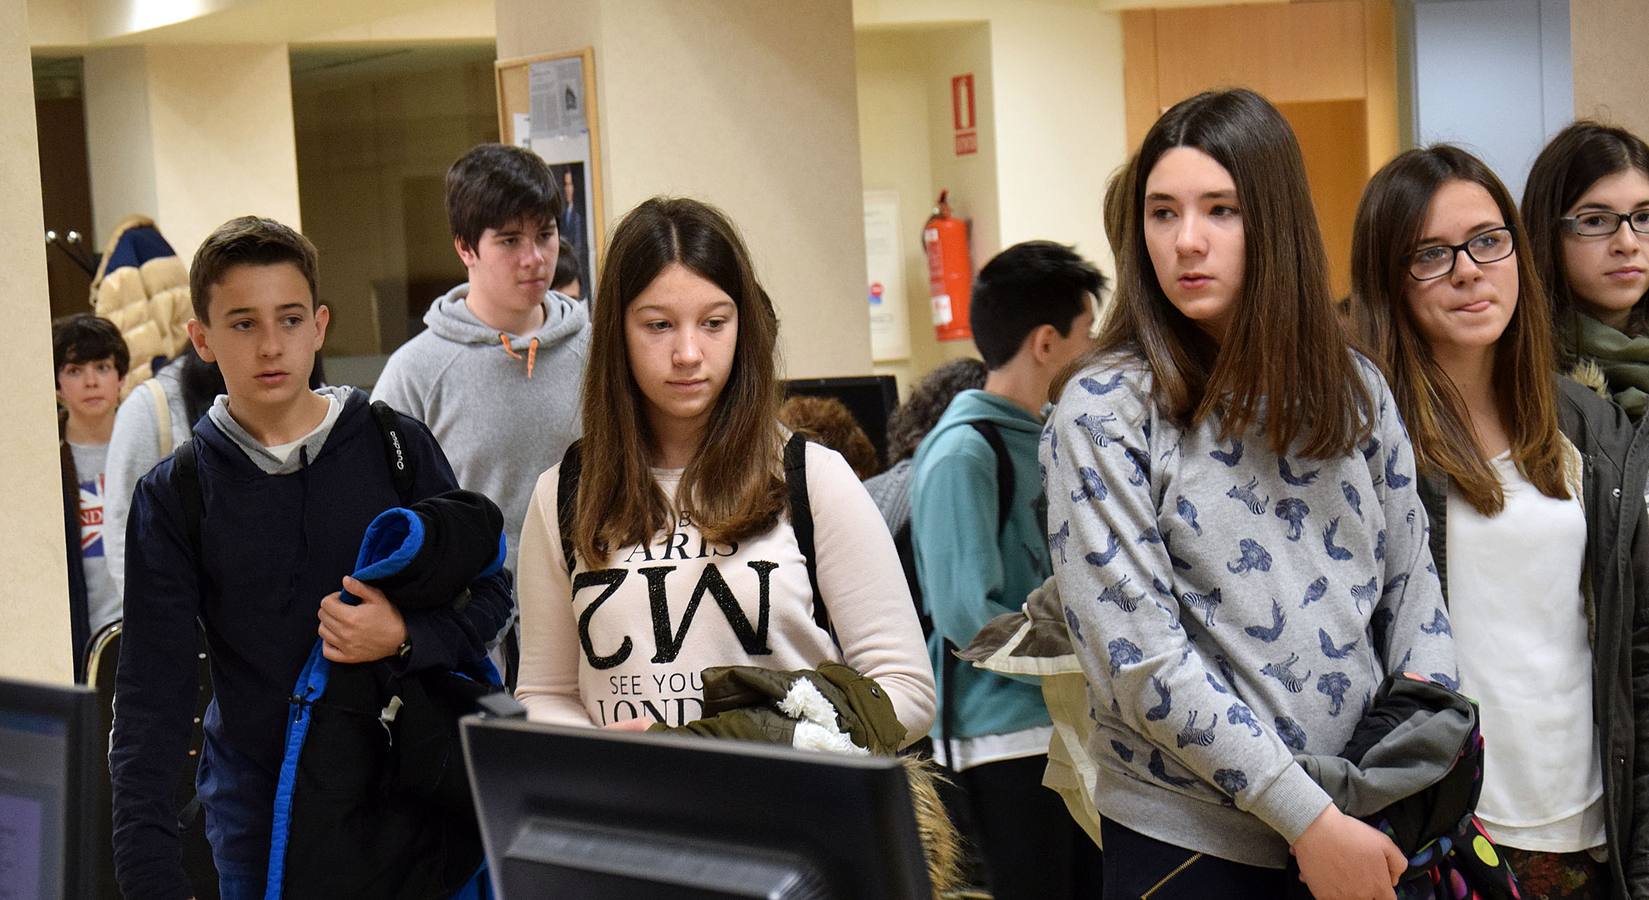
{"x":163,"y":415}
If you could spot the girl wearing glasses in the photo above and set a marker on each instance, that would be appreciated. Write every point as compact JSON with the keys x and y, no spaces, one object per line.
{"x":1522,"y":473}
{"x":1234,"y":524}
{"x":1587,"y":210}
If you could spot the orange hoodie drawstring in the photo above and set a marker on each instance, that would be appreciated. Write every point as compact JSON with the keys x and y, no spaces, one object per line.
{"x":532,"y":351}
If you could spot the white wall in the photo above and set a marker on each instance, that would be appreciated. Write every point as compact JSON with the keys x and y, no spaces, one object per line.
{"x":1493,"y":76}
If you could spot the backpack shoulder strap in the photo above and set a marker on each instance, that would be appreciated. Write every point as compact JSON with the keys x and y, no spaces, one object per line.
{"x":1004,"y":470}
{"x":186,"y":482}
{"x":566,"y":498}
{"x":801,"y":518}
{"x":163,"y":415}
{"x":395,"y":450}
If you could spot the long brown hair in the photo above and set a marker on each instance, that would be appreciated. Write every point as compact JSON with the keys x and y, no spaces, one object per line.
{"x":1390,"y":218}
{"x":1285,"y":353}
{"x":733,"y":487}
{"x":1568,"y":167}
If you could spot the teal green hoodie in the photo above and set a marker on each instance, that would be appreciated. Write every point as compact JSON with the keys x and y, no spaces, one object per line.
{"x":971,"y":571}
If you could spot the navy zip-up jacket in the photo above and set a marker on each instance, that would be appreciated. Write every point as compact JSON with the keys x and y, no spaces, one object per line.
{"x":271,"y":547}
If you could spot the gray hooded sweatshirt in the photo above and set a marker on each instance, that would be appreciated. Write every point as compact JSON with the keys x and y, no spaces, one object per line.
{"x":502,"y":416}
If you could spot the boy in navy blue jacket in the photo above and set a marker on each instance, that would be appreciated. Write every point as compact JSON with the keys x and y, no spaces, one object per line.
{"x":289,"y":479}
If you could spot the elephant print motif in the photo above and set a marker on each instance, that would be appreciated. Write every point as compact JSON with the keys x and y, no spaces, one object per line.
{"x":1283,"y":672}
{"x":1123,"y":652}
{"x":1292,"y":734}
{"x":1380,"y":546}
{"x":1075,"y":626}
{"x":1123,"y":751}
{"x":1231,"y":781}
{"x":1248,"y":498}
{"x":1192,"y":735}
{"x":1253,"y":558}
{"x":1293,"y":510}
{"x":1334,"y":685}
{"x":1239,"y":714}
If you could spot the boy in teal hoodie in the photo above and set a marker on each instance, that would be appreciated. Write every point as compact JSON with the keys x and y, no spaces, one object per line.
{"x":1031,"y":314}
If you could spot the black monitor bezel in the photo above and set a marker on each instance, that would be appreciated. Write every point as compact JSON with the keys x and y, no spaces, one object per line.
{"x":76,"y":706}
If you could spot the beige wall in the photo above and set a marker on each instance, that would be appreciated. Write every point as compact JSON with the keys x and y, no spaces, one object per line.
{"x":372,"y":153}
{"x":1602,"y":33}
{"x":34,"y":641}
{"x":1056,"y":73}
{"x":906,"y":145}
{"x":749,"y":105}
{"x":191,"y":150}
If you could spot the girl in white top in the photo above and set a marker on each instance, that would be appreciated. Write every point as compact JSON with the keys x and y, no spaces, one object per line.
{"x":1444,"y":292}
{"x":683,"y":552}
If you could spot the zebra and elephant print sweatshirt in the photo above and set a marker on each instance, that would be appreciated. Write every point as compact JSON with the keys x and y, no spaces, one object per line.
{"x":1232,"y":607}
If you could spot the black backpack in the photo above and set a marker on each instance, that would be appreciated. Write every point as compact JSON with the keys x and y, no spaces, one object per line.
{"x":795,"y":481}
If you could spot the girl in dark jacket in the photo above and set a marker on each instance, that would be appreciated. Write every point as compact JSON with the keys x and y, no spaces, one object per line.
{"x":1523,"y":475}
{"x":1587,"y":209}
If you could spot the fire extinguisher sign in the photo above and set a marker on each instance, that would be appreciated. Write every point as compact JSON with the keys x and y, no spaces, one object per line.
{"x":962,"y":114}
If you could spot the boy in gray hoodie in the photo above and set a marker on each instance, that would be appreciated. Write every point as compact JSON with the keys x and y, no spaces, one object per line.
{"x":496,"y":374}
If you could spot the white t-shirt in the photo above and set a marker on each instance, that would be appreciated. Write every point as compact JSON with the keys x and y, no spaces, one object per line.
{"x":1521,"y":635}
{"x":631,"y":637}
{"x":102,"y":599}
{"x":283,"y":452}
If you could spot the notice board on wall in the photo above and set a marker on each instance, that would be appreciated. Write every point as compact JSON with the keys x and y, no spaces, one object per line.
{"x":547,"y":104}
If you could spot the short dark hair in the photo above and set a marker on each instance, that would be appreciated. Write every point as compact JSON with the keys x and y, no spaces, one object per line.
{"x":84,"y":338}
{"x":1024,"y":287}
{"x":248,"y":241}
{"x":495,"y":184}
{"x":567,"y":269}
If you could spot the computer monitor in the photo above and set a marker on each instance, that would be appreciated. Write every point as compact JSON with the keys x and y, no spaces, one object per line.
{"x":49,"y":754}
{"x":870,"y":398}
{"x":580,"y":812}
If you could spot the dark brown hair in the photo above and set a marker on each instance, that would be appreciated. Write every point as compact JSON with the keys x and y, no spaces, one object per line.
{"x":915,"y":417}
{"x":828,"y":421}
{"x":1568,"y":167}
{"x":494,"y":185}
{"x":1315,"y":398}
{"x":248,"y":241}
{"x":84,"y":338}
{"x":1390,"y":218}
{"x":734,"y":485}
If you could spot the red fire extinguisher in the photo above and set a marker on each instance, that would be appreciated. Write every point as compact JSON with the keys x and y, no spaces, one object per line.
{"x":950,"y":273}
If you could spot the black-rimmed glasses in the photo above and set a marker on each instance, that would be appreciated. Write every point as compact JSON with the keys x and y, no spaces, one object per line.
{"x":1493,"y":245}
{"x":1598,"y":223}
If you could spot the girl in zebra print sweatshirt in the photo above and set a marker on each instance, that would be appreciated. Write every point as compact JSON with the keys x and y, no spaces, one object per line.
{"x":1235,"y":526}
